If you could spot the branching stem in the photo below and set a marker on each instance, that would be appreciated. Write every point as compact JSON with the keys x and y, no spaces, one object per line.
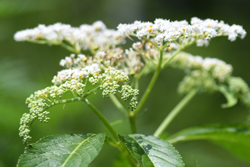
{"x":102,"y":118}
{"x":150,"y":86}
{"x":174,"y":112}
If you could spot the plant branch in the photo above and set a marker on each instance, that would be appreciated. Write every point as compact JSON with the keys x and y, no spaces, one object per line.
{"x":102,"y":118}
{"x":68,"y":47}
{"x":171,"y":58}
{"x":132,"y":122}
{"x":174,"y":112}
{"x":150,"y":86}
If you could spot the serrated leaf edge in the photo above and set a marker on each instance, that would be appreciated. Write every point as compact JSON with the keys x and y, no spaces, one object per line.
{"x":51,"y":136}
{"x":147,"y":154}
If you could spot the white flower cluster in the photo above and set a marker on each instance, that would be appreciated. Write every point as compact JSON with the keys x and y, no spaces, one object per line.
{"x":181,"y":31}
{"x":128,"y":62}
{"x":218,"y":69}
{"x":104,"y":59}
{"x":77,"y":74}
{"x":93,"y":37}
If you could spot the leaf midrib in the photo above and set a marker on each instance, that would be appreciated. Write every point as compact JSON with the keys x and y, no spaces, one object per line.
{"x":74,"y":151}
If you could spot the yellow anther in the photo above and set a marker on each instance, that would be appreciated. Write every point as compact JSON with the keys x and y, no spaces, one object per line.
{"x":184,"y":29}
{"x":170,"y":48}
{"x":151,"y":26}
{"x":121,"y":80}
{"x":95,"y":74}
{"x":108,"y":81}
{"x":95,"y":47}
{"x":100,"y":60}
{"x":149,"y":30}
{"x":43,"y":95}
{"x":39,"y":35}
{"x":96,"y":28}
{"x":117,"y":37}
{"x":206,"y":33}
{"x":100,"y":75}
{"x":108,"y":69}
{"x":209,"y":25}
{"x":116,"y":78}
{"x":84,"y":59}
{"x":81,"y":76}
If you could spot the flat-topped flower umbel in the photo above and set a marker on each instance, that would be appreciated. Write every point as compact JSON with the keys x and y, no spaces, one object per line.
{"x":180,"y":31}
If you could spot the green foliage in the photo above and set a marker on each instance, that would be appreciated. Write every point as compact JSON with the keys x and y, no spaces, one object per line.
{"x":63,"y":150}
{"x":235,"y":139}
{"x":151,"y":151}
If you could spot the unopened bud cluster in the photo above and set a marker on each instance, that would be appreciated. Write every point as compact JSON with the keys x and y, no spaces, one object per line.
{"x":217,"y":69}
{"x":208,"y":74}
{"x":109,"y":80}
{"x":128,"y":92}
{"x":41,"y":100}
{"x":73,"y":80}
{"x":240,"y":89}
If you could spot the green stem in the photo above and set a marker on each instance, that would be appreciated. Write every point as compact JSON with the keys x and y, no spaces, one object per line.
{"x":150,"y":86}
{"x":171,"y":58}
{"x":174,"y":112}
{"x":123,"y":149}
{"x":118,"y":104}
{"x":132,"y":122}
{"x":136,"y":83}
{"x":122,"y":103}
{"x":144,"y":69}
{"x":68,"y":47}
{"x":122,"y":106}
{"x":102,"y":118}
{"x":155,"y":45}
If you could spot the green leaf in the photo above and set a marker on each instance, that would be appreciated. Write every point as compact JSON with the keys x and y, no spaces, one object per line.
{"x":63,"y":150}
{"x":151,"y":151}
{"x":234,"y":138}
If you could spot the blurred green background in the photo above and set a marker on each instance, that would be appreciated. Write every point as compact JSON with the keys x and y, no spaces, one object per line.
{"x":27,"y":67}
